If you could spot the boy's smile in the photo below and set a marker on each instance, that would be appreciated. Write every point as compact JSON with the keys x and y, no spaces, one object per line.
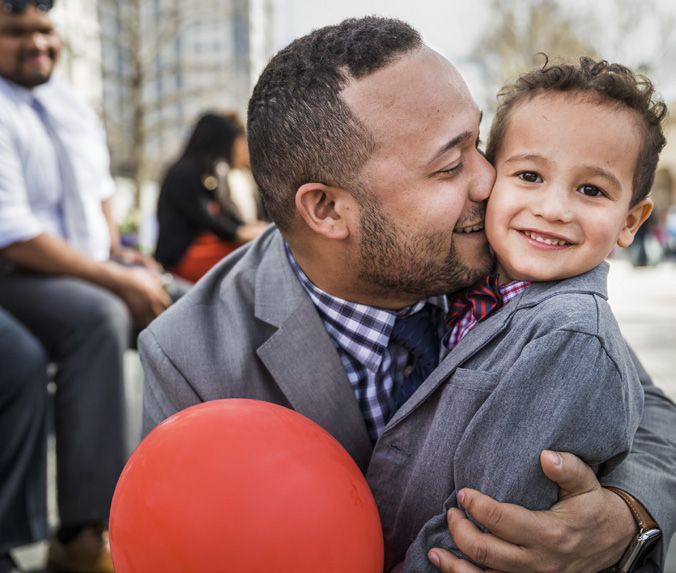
{"x":561,"y":200}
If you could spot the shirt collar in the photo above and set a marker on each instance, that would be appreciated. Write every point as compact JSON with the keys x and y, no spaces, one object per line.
{"x":360,"y":330}
{"x":21,"y":93}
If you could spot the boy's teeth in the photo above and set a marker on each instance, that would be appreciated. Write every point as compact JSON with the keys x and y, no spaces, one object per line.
{"x":541,"y":239}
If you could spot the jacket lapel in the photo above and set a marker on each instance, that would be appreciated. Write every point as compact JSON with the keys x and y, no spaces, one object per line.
{"x":482,"y":334}
{"x":474,"y":341}
{"x":301,"y":357}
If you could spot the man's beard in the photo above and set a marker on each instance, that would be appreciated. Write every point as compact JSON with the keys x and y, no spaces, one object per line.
{"x":393,"y":263}
{"x":31,"y":80}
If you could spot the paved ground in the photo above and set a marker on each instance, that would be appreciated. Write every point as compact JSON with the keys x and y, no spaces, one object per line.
{"x":644,"y":302}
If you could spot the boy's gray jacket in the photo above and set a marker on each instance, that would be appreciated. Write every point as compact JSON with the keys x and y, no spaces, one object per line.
{"x":249,"y":330}
{"x":549,"y":370}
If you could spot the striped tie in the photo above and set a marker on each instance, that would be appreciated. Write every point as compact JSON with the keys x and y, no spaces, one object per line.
{"x":483,"y":298}
{"x":417,"y":334}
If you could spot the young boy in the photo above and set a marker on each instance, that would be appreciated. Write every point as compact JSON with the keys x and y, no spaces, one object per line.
{"x":575,"y":148}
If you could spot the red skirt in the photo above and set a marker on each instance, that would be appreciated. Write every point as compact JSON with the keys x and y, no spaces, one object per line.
{"x":204,"y":253}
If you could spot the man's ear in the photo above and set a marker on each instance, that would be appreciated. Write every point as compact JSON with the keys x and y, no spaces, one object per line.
{"x":324,"y":209}
{"x":637,"y":215}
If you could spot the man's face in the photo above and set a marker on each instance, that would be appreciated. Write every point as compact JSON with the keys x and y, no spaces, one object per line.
{"x":421,"y":222}
{"x":29,"y":47}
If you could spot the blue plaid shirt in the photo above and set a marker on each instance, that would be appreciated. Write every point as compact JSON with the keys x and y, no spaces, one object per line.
{"x":361,"y":334}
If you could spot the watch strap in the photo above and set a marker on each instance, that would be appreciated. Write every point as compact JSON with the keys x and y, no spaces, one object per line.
{"x":641,"y":516}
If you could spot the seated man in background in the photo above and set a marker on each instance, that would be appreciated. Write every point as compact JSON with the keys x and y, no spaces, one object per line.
{"x":23,"y":427}
{"x":64,"y":276}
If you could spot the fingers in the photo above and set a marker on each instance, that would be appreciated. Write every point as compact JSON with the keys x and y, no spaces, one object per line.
{"x":144,"y":313}
{"x":573,"y":476}
{"x":509,"y":522}
{"x":145,"y":296}
{"x":160,"y":302}
{"x":506,"y":551}
{"x":446,"y":562}
{"x":572,"y":536}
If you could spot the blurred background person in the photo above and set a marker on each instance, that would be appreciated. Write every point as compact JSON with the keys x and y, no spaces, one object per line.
{"x":208,"y":204}
{"x":23,"y":427}
{"x":66,"y":279}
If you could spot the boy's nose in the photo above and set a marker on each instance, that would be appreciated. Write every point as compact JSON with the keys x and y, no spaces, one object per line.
{"x":553,"y":204}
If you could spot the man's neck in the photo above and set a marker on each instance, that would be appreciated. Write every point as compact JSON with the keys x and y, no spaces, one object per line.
{"x":334,"y":276}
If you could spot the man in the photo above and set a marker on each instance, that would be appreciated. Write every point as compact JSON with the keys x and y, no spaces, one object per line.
{"x":363,"y":142}
{"x":23,"y":426}
{"x":57,"y":275}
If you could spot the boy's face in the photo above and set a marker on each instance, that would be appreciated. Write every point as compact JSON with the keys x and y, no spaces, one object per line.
{"x":564,"y":182}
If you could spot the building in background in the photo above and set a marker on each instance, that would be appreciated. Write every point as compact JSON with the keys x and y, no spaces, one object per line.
{"x":150,"y":68}
{"x":165,"y":62}
{"x":80,"y":62}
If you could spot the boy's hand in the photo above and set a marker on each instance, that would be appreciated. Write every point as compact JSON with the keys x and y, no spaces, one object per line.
{"x":588,"y":529}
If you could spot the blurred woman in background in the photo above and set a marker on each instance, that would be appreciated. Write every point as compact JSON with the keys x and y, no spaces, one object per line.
{"x":199,"y":223}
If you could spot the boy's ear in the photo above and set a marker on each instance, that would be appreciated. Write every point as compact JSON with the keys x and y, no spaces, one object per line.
{"x":637,"y":215}
{"x":324,"y":209}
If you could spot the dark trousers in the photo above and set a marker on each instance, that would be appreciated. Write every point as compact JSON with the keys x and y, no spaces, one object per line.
{"x":23,"y":436}
{"x":84,"y":330}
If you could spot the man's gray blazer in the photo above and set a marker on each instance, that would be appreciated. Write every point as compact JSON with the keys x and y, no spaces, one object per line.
{"x":249,"y":330}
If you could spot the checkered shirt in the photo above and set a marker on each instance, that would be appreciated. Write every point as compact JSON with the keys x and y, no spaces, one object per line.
{"x":468,"y":321}
{"x":361,"y":335}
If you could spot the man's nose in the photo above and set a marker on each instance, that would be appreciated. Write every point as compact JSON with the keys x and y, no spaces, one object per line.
{"x":483,"y":180}
{"x":38,"y":41}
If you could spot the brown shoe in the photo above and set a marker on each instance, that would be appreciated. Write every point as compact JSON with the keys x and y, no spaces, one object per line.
{"x":87,"y":553}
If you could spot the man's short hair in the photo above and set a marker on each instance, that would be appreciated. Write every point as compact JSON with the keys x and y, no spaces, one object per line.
{"x":601,"y":82}
{"x":300,"y":129}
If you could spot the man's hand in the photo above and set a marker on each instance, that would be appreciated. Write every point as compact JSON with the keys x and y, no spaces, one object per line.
{"x":588,"y":529}
{"x":139,"y":287}
{"x":142,"y":292}
{"x":132,"y":257}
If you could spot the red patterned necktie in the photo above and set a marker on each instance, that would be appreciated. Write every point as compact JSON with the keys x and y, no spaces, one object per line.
{"x":483,"y":298}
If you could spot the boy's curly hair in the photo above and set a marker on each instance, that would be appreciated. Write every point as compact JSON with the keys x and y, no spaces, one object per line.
{"x":603,"y":82}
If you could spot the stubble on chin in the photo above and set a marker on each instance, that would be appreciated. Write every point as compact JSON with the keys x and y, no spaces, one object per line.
{"x":415,"y":266}
{"x":28,"y":78}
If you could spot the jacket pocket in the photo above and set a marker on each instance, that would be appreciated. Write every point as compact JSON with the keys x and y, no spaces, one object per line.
{"x":474,"y":380}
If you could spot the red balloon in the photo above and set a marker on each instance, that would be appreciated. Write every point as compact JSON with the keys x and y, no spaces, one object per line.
{"x":243,"y":486}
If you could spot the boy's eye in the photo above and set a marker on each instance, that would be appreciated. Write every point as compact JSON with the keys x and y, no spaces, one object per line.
{"x":530,"y":177}
{"x":590,"y":191}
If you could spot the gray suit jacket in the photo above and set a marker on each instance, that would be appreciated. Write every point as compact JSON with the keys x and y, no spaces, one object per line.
{"x":249,"y":330}
{"x":549,"y":370}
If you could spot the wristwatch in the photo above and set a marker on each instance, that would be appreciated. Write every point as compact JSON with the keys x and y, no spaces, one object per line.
{"x":643,"y":543}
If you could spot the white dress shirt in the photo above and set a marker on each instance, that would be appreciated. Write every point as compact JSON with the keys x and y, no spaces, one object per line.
{"x":31,"y":186}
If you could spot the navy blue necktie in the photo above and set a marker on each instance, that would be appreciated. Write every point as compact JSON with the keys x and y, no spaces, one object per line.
{"x":418,"y":334}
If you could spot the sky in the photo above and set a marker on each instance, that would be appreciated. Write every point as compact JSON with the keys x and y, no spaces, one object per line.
{"x":453,"y":27}
{"x":442,"y":23}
